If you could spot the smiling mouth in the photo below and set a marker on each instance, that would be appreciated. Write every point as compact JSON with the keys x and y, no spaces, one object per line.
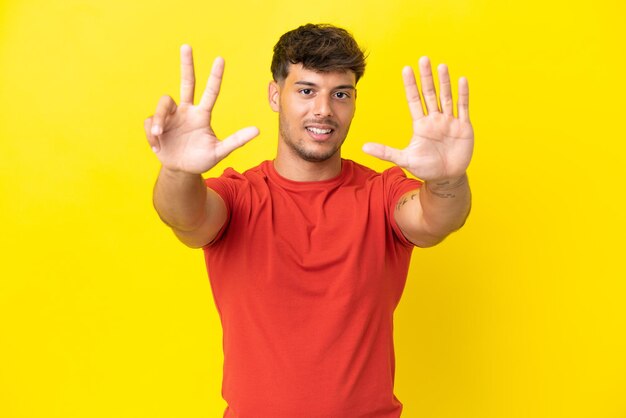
{"x":319,"y":131}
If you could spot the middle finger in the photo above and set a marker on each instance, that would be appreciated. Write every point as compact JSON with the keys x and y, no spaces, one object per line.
{"x":187,"y":76}
{"x":428,"y":85}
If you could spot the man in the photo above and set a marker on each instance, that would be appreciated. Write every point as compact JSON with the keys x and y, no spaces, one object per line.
{"x":308,"y":254}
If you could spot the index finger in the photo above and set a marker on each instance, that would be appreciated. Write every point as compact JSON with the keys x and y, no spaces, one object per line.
{"x":187,"y":76}
{"x":212,"y":90}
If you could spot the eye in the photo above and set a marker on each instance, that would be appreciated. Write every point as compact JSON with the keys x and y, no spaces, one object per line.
{"x":306,"y":92}
{"x":342,"y":95}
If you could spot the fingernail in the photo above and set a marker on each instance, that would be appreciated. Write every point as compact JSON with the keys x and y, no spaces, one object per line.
{"x":156,"y":130}
{"x":155,"y":149}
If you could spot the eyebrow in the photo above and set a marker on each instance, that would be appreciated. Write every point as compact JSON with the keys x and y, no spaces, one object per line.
{"x":341,"y":87}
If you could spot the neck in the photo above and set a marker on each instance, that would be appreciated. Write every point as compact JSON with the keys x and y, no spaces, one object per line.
{"x":296,"y":169}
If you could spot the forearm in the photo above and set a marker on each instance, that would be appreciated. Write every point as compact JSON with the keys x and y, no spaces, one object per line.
{"x":445,"y":205}
{"x":180,"y":199}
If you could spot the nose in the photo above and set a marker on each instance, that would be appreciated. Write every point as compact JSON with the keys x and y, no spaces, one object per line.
{"x":322,"y":107}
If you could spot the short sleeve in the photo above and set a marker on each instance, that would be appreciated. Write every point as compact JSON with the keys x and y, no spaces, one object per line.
{"x":227,"y":187}
{"x":396,"y":184}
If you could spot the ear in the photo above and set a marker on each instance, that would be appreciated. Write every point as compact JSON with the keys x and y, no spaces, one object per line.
{"x":273,"y":95}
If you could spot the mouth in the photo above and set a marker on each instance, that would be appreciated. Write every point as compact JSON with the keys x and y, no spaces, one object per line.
{"x":319,"y":133}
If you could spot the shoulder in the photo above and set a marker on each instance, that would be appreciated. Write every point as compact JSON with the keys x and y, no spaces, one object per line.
{"x":358,"y":170}
{"x":232,"y":184}
{"x":389,"y":175}
{"x":392,"y":182}
{"x":231,"y":173}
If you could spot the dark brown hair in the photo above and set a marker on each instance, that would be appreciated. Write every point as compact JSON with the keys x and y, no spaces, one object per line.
{"x":320,"y":47}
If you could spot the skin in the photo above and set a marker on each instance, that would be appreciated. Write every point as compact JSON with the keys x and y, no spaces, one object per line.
{"x":184,"y":142}
{"x":438,"y":152}
{"x":310,"y":99}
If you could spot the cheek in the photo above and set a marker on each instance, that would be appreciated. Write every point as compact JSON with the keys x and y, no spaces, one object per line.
{"x":346,"y":115}
{"x":289,"y":120}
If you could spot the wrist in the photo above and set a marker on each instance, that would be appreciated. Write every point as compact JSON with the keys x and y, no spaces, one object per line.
{"x":446,"y":187}
{"x":178,"y":176}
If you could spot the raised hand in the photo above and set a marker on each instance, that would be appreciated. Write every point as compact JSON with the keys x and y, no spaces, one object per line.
{"x":441,"y":146}
{"x":181,"y":135}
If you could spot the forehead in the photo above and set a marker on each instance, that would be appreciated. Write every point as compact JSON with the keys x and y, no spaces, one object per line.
{"x":297,"y":73}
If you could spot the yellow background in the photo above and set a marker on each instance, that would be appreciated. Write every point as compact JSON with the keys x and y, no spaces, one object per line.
{"x":104,"y":314}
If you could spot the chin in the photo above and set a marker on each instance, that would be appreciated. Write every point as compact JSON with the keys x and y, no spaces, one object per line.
{"x":313,"y":156}
{"x":311,"y":151}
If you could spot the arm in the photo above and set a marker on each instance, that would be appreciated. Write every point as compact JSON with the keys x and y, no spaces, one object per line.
{"x":184,"y":142}
{"x":184,"y":203}
{"x":439,"y":153}
{"x":429,"y":214}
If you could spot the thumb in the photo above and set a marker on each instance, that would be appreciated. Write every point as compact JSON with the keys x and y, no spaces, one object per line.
{"x":384,"y":152}
{"x":234,"y":141}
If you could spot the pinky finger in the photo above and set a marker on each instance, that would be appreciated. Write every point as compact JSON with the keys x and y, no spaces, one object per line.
{"x":463,"y":102}
{"x":165,"y":108}
{"x":153,"y":141}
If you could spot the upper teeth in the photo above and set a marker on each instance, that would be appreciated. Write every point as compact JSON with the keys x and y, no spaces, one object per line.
{"x":319,"y":131}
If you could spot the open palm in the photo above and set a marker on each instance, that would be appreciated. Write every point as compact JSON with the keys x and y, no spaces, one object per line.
{"x":441,"y":146}
{"x":181,"y":135}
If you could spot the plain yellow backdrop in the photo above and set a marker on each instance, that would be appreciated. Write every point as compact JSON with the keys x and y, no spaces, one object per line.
{"x":521,"y":314}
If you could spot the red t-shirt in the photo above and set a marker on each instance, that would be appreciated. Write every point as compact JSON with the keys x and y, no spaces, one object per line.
{"x":306,"y":277}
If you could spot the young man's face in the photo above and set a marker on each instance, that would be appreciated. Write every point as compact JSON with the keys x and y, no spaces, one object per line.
{"x":315,"y":111}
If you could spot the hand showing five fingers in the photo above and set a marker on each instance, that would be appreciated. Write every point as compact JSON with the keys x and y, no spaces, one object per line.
{"x":181,"y":135}
{"x":441,"y":146}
